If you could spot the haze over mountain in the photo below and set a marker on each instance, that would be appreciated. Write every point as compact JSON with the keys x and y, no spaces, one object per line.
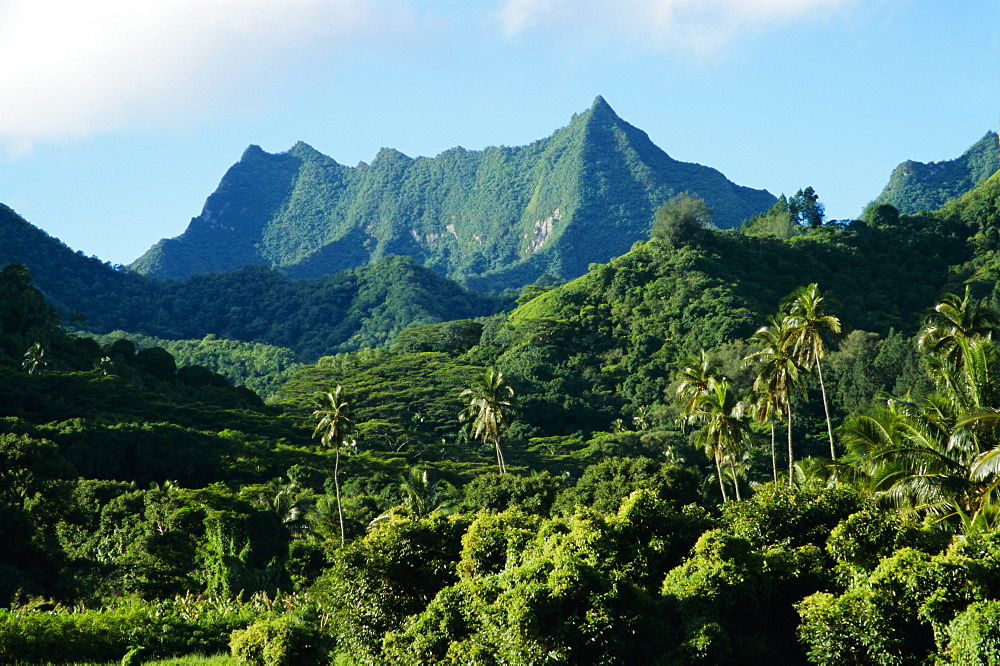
{"x":916,"y":186}
{"x":492,"y":219}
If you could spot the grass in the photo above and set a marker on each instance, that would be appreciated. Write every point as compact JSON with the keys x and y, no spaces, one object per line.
{"x":187,"y":660}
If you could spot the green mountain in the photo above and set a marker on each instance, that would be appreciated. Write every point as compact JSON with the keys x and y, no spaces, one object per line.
{"x":363,"y":307}
{"x":916,"y":186}
{"x":492,"y":219}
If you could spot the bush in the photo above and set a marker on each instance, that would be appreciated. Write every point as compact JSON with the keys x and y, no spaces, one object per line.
{"x":974,"y":635}
{"x":167,"y":628}
{"x":279,"y":641}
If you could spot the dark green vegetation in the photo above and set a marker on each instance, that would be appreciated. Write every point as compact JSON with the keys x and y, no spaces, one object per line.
{"x":490,"y":219}
{"x":151,"y":510}
{"x":261,"y":368}
{"x":916,"y":186}
{"x":364,"y":307}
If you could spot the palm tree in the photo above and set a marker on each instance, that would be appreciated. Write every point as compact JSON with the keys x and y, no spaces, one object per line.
{"x":940,"y":457}
{"x":808,"y":326}
{"x":725,"y":428}
{"x":695,"y":379}
{"x":35,"y":359}
{"x":423,"y":496}
{"x":955,"y":319}
{"x":288,"y":501}
{"x":641,"y":418}
{"x":489,"y":401}
{"x":777,"y":375}
{"x":332,"y":426}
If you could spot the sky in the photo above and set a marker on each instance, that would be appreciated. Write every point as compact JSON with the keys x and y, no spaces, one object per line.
{"x":118,"y":118}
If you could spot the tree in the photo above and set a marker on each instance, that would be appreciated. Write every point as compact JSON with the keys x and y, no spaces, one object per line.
{"x":489,"y":402}
{"x":806,"y":207}
{"x":777,"y":374}
{"x":423,"y":496}
{"x":695,"y":379}
{"x":332,"y":426}
{"x":679,"y":220}
{"x":725,"y":428}
{"x":955,"y":319}
{"x":939,"y":457}
{"x":807,"y":326}
{"x":35,"y":359}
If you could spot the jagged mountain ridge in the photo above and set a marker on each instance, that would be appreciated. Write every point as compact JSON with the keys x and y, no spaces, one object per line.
{"x":917,"y":186}
{"x":491,"y":219}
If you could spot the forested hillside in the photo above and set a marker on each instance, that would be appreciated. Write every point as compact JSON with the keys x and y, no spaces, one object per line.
{"x":491,"y":219}
{"x":771,"y":444}
{"x":916,"y":186}
{"x":364,"y":307}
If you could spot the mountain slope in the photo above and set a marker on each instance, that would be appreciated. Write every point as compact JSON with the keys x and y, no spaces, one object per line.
{"x":916,"y":186}
{"x":493,"y":218}
{"x":364,"y":307}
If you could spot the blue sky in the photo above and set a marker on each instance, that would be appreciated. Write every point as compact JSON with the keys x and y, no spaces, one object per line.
{"x":119,"y":117}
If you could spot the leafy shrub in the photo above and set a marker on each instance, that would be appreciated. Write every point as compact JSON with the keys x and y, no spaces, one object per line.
{"x":279,"y":641}
{"x":974,"y":635}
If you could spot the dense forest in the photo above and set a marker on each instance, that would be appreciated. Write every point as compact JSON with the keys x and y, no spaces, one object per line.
{"x":776,"y":443}
{"x":364,"y":307}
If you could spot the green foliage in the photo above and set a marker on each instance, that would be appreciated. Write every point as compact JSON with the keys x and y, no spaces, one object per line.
{"x":398,"y":401}
{"x":161,"y":629}
{"x":279,"y":641}
{"x":385,"y":576}
{"x":731,"y":603}
{"x":915,"y":186}
{"x":499,"y":492}
{"x":790,"y":516}
{"x":974,"y":635}
{"x":680,"y":220}
{"x":261,"y":368}
{"x":604,"y":485}
{"x":567,"y":590}
{"x":494,"y":218}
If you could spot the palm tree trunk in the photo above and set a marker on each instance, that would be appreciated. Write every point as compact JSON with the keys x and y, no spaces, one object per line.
{"x":500,"y":461}
{"x":718,"y":473}
{"x":826,"y":409}
{"x":336,"y":485}
{"x":774,"y":455}
{"x":736,"y":481}
{"x":791,"y":460}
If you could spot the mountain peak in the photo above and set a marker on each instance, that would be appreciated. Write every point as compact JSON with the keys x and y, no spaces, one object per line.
{"x":601,"y":105}
{"x":253,"y":151}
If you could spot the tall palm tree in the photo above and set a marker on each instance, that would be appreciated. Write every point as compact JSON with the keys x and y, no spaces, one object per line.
{"x":725,"y":428}
{"x":489,"y":401}
{"x":808,"y":327}
{"x":696,"y":380}
{"x":777,"y":375}
{"x":955,"y":319}
{"x":332,"y":426}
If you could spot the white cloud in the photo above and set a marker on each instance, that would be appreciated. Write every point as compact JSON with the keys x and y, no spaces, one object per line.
{"x":704,"y":26}
{"x":72,"y":68}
